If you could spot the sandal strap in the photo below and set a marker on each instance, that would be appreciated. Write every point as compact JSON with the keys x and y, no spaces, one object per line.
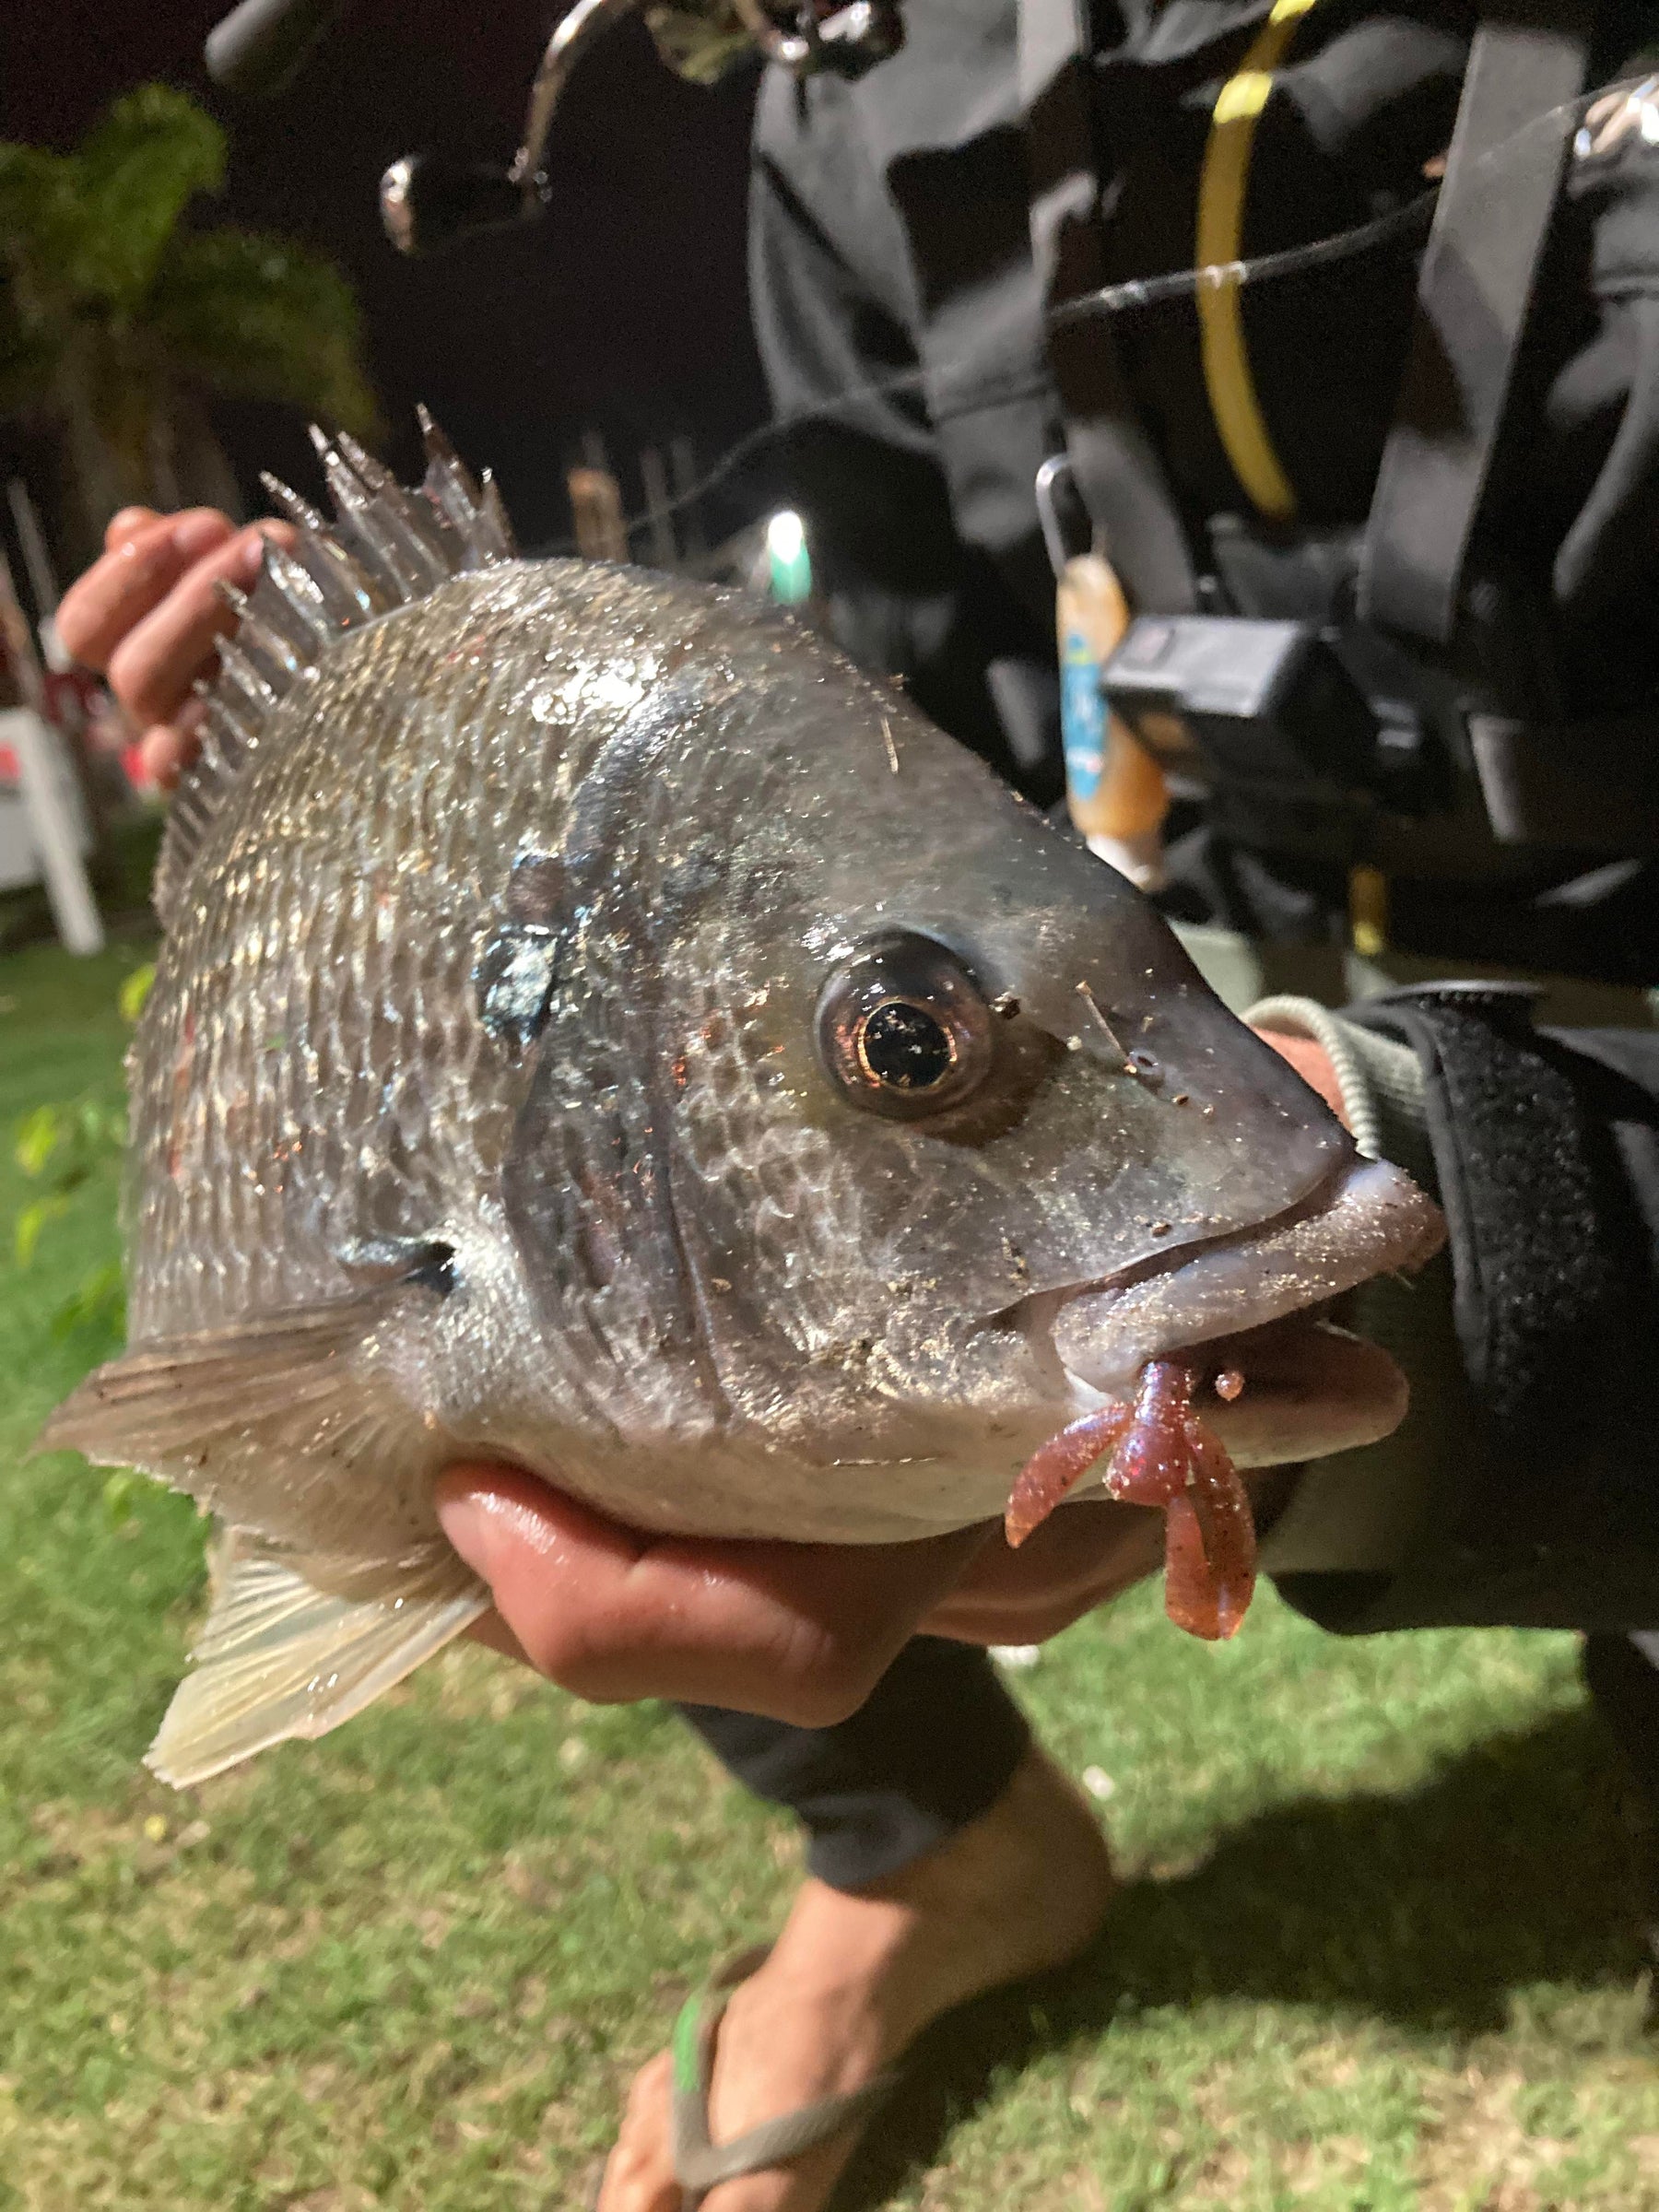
{"x":700,"y":2165}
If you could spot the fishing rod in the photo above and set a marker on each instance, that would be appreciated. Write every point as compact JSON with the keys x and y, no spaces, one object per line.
{"x":1604,"y":119}
{"x":1130,"y":296}
{"x":430,"y":200}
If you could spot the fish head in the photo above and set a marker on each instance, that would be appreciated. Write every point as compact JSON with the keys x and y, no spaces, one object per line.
{"x":941,"y":1134}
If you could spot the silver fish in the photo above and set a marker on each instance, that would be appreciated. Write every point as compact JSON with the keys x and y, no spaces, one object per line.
{"x":598,"y":1026}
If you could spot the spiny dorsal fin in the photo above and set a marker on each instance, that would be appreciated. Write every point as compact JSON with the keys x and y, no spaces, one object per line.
{"x":386,"y":548}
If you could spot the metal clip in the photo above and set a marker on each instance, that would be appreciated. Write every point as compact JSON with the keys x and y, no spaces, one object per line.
{"x":1066,"y":527}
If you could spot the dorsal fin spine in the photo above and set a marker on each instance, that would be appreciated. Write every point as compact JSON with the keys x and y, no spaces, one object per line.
{"x":213,"y":751}
{"x":352,"y":596}
{"x":266,"y":650}
{"x":300,"y":592}
{"x":493,"y":526}
{"x":245,"y":672}
{"x":298,"y":510}
{"x":262,"y":638}
{"x":357,"y":509}
{"x":288,"y":599}
{"x":412,"y":523}
{"x":221,"y":709}
{"x":387,"y":547}
{"x":449,"y":486}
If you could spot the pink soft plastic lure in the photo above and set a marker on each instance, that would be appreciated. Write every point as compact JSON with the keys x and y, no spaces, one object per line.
{"x":1161,"y":1454}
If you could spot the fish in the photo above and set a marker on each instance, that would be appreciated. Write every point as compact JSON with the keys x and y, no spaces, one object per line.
{"x":599,"y":1027}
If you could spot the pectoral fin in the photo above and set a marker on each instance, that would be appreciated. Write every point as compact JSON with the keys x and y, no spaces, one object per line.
{"x":280,"y":1657}
{"x":291,"y":1423}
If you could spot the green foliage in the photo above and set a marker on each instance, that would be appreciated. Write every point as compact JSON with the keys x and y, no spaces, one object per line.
{"x":279,"y":321}
{"x":96,"y":1305}
{"x":128,"y":187}
{"x":112,"y":305}
{"x":32,"y":1220}
{"x":120,"y":1486}
{"x":68,"y":1151}
{"x":133,"y":992}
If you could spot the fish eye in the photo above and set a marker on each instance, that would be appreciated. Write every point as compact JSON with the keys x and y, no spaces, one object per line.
{"x":904,"y":1029}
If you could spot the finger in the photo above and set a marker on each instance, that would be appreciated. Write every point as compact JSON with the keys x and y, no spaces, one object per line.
{"x":127,"y":524}
{"x":489,"y":1628}
{"x":799,"y":1631}
{"x":167,"y":749}
{"x":1081,"y":1558}
{"x":133,"y":578}
{"x":152,"y":669}
{"x":1312,"y":1063}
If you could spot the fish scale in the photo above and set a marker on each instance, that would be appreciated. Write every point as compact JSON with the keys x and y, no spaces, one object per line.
{"x":506,"y":1088}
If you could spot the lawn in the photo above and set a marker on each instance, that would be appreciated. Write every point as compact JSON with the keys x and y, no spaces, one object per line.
{"x":1371,"y":1951}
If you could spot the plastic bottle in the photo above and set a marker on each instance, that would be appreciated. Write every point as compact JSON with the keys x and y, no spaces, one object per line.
{"x":1114,"y":789}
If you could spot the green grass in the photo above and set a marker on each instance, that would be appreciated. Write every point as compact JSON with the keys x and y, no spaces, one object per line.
{"x":1372,"y":1952}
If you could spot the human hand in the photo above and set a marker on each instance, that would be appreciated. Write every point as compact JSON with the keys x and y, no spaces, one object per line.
{"x":1077,"y":1561}
{"x":1312,"y":1063}
{"x":146,"y":615}
{"x":800,"y":1632}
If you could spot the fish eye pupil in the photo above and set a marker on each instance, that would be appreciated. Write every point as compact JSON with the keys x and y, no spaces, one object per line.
{"x":905,"y":1031}
{"x":905,"y":1047}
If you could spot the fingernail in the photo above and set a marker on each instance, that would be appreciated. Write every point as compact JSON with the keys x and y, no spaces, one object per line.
{"x":250,"y":558}
{"x":159,"y":750}
{"x":195,"y":534}
{"x":468,"y":1524}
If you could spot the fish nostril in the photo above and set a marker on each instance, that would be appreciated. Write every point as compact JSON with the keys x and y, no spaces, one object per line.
{"x":535,"y":889}
{"x":379,"y":1261}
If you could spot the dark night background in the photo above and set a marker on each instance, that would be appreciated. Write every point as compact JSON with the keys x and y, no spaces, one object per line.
{"x":624,"y":310}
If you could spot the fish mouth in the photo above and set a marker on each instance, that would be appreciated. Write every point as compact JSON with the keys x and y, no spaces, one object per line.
{"x":1251,"y":1309}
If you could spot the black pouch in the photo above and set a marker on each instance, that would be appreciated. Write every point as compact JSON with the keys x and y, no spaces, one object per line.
{"x":1546,"y":1149}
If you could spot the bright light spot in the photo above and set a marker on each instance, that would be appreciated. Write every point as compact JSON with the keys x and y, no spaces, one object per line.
{"x":786,"y":536}
{"x":612,"y":688}
{"x":1098,"y":1784}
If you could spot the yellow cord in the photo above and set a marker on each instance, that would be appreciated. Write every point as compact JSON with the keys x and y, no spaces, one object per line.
{"x":1367,"y":911}
{"x":1221,"y":187}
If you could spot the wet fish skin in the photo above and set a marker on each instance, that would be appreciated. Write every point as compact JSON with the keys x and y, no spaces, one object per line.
{"x":311,"y":1072}
{"x":478,"y":1107}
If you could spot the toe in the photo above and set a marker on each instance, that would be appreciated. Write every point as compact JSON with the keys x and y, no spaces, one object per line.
{"x":639,"y":2175}
{"x":805,"y":2184}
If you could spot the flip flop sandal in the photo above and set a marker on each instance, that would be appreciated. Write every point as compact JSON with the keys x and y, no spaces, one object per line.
{"x":700,"y":2165}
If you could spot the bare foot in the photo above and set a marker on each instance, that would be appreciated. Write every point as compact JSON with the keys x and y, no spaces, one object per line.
{"x":854,"y":1978}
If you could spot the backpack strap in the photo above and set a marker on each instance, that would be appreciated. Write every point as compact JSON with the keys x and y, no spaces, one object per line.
{"x":1114,"y":463}
{"x":1527,"y":66}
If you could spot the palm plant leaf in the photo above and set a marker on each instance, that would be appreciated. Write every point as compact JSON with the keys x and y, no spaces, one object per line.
{"x":37,"y":228}
{"x":137,"y":172}
{"x":37,"y":214}
{"x":263,"y":319}
{"x":117,"y":316}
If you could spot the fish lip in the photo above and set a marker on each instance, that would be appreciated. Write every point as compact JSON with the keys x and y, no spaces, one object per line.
{"x":1365,"y":1218}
